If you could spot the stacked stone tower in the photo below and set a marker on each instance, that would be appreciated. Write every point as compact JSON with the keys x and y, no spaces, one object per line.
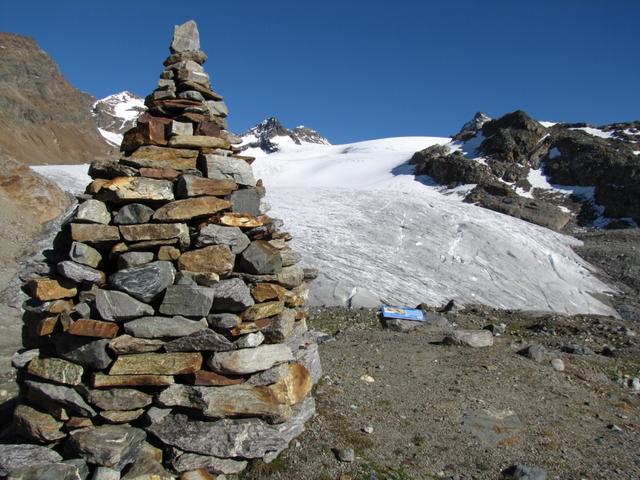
{"x":170,"y":334}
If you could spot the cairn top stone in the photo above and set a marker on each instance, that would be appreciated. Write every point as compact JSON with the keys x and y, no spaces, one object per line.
{"x":186,"y":38}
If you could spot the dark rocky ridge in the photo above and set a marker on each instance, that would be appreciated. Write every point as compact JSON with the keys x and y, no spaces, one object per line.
{"x":43,"y":118}
{"x":513,"y":144}
{"x":268,"y":129}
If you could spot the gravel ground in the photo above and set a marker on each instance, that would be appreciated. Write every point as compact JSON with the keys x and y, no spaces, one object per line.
{"x":442,"y":411}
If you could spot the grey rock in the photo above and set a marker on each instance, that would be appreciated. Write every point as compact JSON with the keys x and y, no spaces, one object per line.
{"x":155,"y":414}
{"x":134,"y":259}
{"x":110,"y":169}
{"x":470,"y":338}
{"x":224,"y":167}
{"x":345,"y":454}
{"x":223,"y":321}
{"x":250,"y":340}
{"x":281,"y":326}
{"x":80,"y":465}
{"x":184,"y":279}
{"x":82,"y":310}
{"x":159,"y":327}
{"x":246,"y":200}
{"x":118,"y":306}
{"x":52,"y":471}
{"x":261,"y":258}
{"x":185,"y":75}
{"x":205,"y":340}
{"x":132,"y":214}
{"x":37,"y":426}
{"x":535,"y":352}
{"x":13,"y":457}
{"x":270,"y":376}
{"x":496,"y":329}
{"x":112,"y":446}
{"x":192,"y":95}
{"x":186,"y":38}
{"x":188,"y":300}
{"x":309,"y":356}
{"x":84,"y":254}
{"x":80,"y":273}
{"x":21,"y":358}
{"x":250,"y":360}
{"x":124,"y":344}
{"x":84,"y":351}
{"x":185,"y":64}
{"x":93,"y":211}
{"x":56,"y":370}
{"x":204,"y":279}
{"x":72,"y":401}
{"x":146,"y":282}
{"x":229,"y":401}
{"x":213,"y":234}
{"x":248,"y":438}
{"x":184,"y":462}
{"x":400,"y":325}
{"x":167,"y":82}
{"x":435,"y":321}
{"x":218,"y":108}
{"x":232,"y":295}
{"x":291,"y":277}
{"x":118,"y":399}
{"x":524,"y":472}
{"x":291,"y":257}
{"x":105,"y":473}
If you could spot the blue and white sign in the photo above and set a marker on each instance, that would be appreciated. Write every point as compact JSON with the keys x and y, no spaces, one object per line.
{"x":403,"y":313}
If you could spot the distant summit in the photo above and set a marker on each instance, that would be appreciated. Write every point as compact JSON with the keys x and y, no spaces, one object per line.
{"x":116,"y":114}
{"x":269,"y":134}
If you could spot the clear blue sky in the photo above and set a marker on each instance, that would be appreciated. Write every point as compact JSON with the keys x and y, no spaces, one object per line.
{"x":357,"y":70}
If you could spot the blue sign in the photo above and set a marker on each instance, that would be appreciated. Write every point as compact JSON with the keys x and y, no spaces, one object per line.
{"x":403,"y":313}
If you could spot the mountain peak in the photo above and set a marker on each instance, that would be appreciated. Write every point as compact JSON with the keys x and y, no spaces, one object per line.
{"x":270,"y":133}
{"x":117,"y":113}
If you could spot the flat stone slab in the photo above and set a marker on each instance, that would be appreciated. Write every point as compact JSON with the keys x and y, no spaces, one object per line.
{"x":156,"y":364}
{"x":94,"y":233}
{"x":80,"y":273}
{"x":187,"y":209}
{"x":146,"y":282}
{"x":119,"y":399}
{"x":190,"y":462}
{"x":88,"y":352}
{"x":112,"y":446}
{"x":161,"y":327}
{"x":470,"y":338}
{"x":223,"y":167}
{"x":100,"y":380}
{"x":155,"y":231}
{"x":57,"y":370}
{"x":202,"y":341}
{"x":214,"y":259}
{"x":152,"y":156}
{"x":42,"y":393}
{"x":52,"y":471}
{"x":127,"y":344}
{"x":135,"y":188}
{"x":231,"y":401}
{"x":250,"y":360}
{"x":47,"y":289}
{"x":118,"y":306}
{"x":37,"y":426}
{"x":93,"y":328}
{"x":194,"y":186}
{"x":13,"y":457}
{"x":248,"y":438}
{"x":188,"y":300}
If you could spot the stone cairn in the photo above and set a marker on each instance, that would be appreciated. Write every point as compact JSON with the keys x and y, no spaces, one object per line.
{"x":169,"y":338}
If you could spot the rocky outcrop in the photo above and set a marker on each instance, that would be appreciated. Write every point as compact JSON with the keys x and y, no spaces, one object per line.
{"x":156,"y":319}
{"x":43,"y":118}
{"x":265,"y":136}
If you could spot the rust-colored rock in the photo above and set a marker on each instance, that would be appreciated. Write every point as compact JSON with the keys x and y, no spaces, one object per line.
{"x":150,"y":130}
{"x":93,"y":328}
{"x":45,"y":289}
{"x":102,"y":380}
{"x":262,"y":310}
{"x":157,"y":364}
{"x":93,"y":233}
{"x":168,"y":253}
{"x":161,"y":157}
{"x":207,"y":129}
{"x":263,"y":292}
{"x":206,"y":378}
{"x":294,"y":387}
{"x":182,"y":210}
{"x":46,"y":326}
{"x":250,"y":327}
{"x":298,"y":296}
{"x":241,"y":220}
{"x":77,"y":422}
{"x":214,"y":259}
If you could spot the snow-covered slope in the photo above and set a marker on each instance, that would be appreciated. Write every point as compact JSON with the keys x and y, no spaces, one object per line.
{"x":358,"y":214}
{"x":116,"y":114}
